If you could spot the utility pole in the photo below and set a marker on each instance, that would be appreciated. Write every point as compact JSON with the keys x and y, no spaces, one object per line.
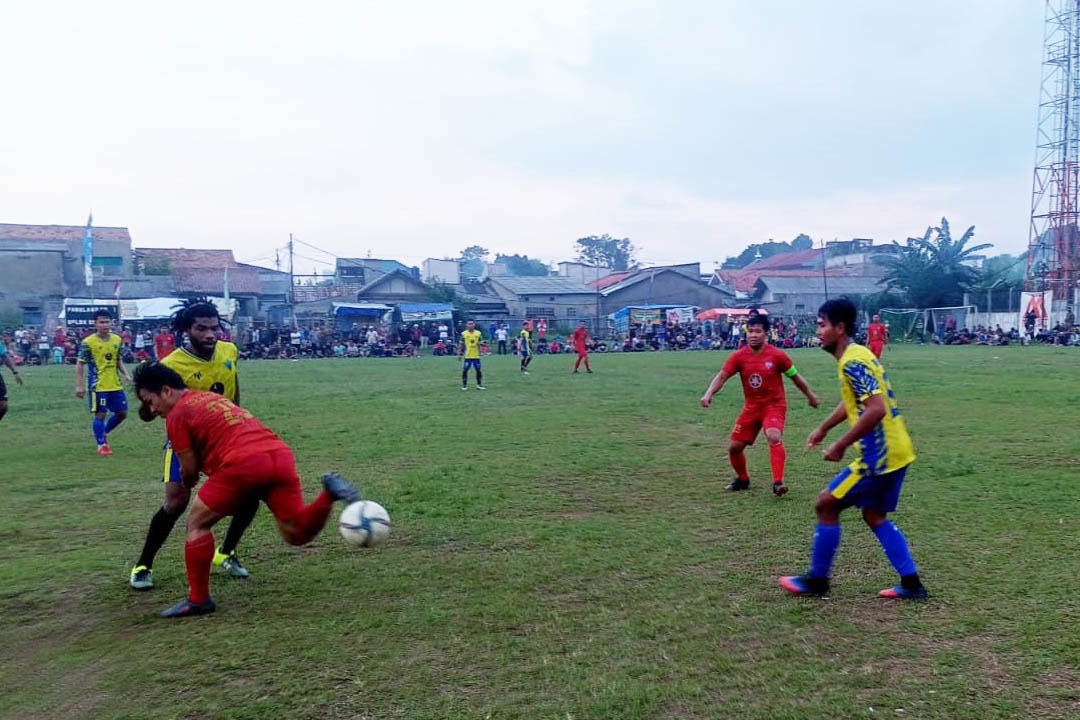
{"x":289,"y":299}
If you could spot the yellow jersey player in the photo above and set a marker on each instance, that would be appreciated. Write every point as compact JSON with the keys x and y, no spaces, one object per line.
{"x":205,"y":363}
{"x":470,"y":354}
{"x":524,"y":349}
{"x":99,"y":360}
{"x":873,"y":481}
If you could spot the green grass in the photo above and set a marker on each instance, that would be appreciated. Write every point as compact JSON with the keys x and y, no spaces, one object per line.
{"x":561,"y":549}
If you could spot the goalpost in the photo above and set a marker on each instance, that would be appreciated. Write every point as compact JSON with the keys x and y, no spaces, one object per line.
{"x":943,"y":320}
{"x":905,"y":324}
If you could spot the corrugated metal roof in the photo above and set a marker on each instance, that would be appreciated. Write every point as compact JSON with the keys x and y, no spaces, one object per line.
{"x":543,"y":286}
{"x":60,"y":233}
{"x":855,"y":285}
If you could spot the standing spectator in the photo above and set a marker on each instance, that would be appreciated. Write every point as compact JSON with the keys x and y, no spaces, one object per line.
{"x":500,"y":335}
{"x":44,"y":350}
{"x":5,"y":359}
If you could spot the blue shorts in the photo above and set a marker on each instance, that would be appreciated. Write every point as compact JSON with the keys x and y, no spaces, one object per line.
{"x":878,"y":492}
{"x":471,"y":363}
{"x":170,"y":471}
{"x":110,"y":400}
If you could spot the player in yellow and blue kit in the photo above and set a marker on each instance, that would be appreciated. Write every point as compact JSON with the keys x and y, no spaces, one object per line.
{"x":100,"y":353}
{"x":205,"y":363}
{"x":524,"y":346}
{"x":873,"y":481}
{"x":470,"y":354}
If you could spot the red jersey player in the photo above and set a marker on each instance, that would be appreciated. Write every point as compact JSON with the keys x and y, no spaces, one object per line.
{"x":761,"y":367}
{"x":244,"y":461}
{"x":580,"y":339}
{"x":877,"y":336}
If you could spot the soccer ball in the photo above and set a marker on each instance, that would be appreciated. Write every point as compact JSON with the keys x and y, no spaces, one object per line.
{"x":365,"y":523}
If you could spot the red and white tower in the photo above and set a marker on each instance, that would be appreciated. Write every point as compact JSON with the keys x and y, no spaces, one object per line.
{"x":1053,"y":242}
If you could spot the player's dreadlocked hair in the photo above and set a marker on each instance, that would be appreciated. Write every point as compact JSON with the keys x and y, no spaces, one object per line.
{"x":196,"y":307}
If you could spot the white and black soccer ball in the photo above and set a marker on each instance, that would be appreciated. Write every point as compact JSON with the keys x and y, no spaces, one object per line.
{"x":365,"y":524}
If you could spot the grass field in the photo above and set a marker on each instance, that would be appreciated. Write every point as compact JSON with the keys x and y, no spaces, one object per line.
{"x":562,"y":549}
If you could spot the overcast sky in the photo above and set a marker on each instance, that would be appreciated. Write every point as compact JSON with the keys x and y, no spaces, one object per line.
{"x":410,"y":130}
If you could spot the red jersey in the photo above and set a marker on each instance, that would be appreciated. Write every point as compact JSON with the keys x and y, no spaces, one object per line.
{"x":579,"y":337}
{"x":164,"y":343}
{"x":876,"y":332}
{"x":220,"y":433}
{"x":762,"y":374}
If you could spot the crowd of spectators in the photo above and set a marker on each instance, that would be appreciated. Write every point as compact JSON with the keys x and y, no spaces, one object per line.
{"x":33,"y":346}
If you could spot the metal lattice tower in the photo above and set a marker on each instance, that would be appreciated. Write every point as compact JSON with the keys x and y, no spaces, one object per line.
{"x":1053,"y":243}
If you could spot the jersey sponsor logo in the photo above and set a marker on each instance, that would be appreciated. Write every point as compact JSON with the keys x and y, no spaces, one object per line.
{"x":755,"y":381}
{"x":768,"y":364}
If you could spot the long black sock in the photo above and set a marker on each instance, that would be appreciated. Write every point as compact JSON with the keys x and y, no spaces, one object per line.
{"x":464,"y":378}
{"x":239,"y":524}
{"x":479,"y":377}
{"x":160,"y":527}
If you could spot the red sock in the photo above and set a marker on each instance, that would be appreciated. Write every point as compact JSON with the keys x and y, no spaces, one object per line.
{"x":198,"y":556}
{"x":777,"y":458}
{"x":738,"y":461}
{"x":313,"y":517}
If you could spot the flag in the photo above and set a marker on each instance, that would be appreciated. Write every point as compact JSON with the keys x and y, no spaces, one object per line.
{"x":226,"y":283}
{"x":88,"y":252}
{"x":116,"y":289}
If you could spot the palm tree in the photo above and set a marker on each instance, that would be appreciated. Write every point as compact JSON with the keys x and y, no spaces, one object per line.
{"x":933,"y":272}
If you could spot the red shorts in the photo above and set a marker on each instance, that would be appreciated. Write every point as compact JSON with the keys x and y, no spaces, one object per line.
{"x":581,"y":351}
{"x":269,"y":476}
{"x":876,"y":347}
{"x":753,"y":419}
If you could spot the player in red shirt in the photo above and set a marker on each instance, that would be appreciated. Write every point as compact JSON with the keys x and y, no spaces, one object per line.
{"x":877,"y":336}
{"x":244,"y":461}
{"x":761,"y":367}
{"x":164,"y":342}
{"x":580,"y":339}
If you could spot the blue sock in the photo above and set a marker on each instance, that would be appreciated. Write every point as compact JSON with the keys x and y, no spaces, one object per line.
{"x":114,"y":420}
{"x":99,"y":430}
{"x":826,"y":541}
{"x":896,"y":549}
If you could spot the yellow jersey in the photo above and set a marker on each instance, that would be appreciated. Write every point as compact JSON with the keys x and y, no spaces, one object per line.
{"x":218,"y":374}
{"x":471,"y":340}
{"x":102,"y":357}
{"x":888,"y":446}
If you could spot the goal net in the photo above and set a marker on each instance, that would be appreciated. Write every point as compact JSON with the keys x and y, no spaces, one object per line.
{"x":944,"y":321}
{"x":904,"y":325}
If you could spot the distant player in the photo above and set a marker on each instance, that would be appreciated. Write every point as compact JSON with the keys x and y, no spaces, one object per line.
{"x":762,"y":368}
{"x":470,"y":355}
{"x":101,"y":353}
{"x":877,"y":336}
{"x":524,"y":347}
{"x":873,"y":480}
{"x":244,"y":461}
{"x":204,"y":363}
{"x":164,"y":342}
{"x":580,"y":339}
{"x":5,"y":359}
